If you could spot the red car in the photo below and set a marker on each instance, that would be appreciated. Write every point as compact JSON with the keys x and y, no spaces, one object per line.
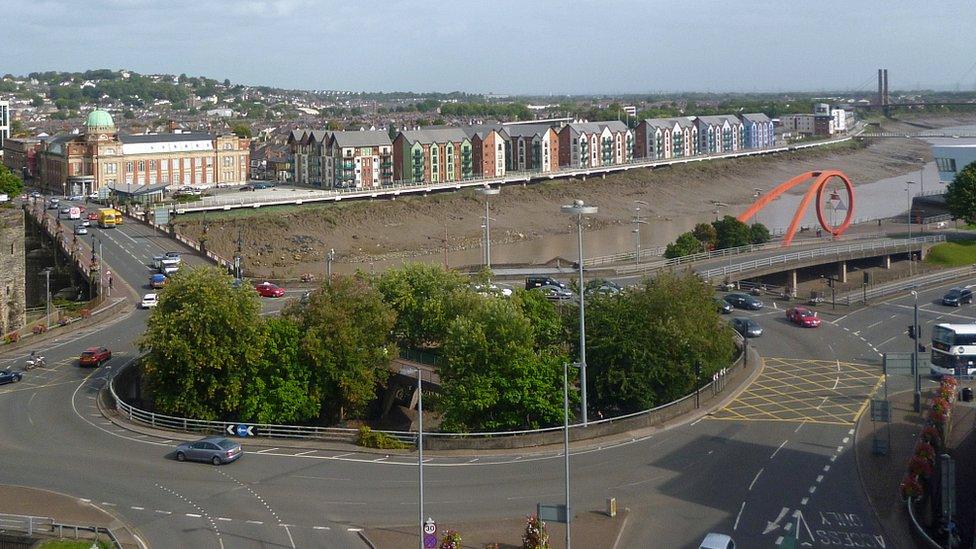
{"x":802,"y":316}
{"x":93,"y":216}
{"x":267,"y":289}
{"x":95,"y":356}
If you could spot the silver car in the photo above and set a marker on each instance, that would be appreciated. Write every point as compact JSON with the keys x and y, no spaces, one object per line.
{"x":214,"y":449}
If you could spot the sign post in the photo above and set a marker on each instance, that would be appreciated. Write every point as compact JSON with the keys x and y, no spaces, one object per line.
{"x":430,"y":534}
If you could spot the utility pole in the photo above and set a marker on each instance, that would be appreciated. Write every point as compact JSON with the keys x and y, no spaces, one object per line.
{"x":637,"y":225}
{"x":487,"y":192}
{"x":47,"y":306}
{"x":917,"y":400}
{"x":566,"y":444}
{"x":328,"y":264}
{"x":911,"y":258}
{"x":240,"y":249}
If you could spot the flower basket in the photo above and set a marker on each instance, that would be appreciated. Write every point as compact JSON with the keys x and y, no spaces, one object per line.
{"x":39,"y":329}
{"x":919,"y":466}
{"x":938,"y":417}
{"x":926,"y":451}
{"x":536,"y":534}
{"x":911,"y":488}
{"x":12,"y":337}
{"x":940,"y":404}
{"x":85,"y":313}
{"x":950,"y":381}
{"x":932,"y":436}
{"x":451,"y":540}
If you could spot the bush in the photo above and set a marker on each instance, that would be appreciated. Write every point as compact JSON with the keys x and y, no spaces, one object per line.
{"x":12,"y":337}
{"x":369,"y":438}
{"x":451,"y":540}
{"x":39,"y":329}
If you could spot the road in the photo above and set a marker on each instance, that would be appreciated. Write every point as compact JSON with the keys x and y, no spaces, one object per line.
{"x":773,"y":468}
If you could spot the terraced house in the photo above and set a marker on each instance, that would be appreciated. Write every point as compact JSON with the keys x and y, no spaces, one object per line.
{"x":591,"y":144}
{"x":719,"y":134}
{"x":664,"y":138}
{"x":433,"y":155}
{"x":532,"y":147}
{"x":758,"y":131}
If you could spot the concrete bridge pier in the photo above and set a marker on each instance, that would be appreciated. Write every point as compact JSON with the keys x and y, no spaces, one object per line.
{"x":842,"y":272}
{"x":886,"y":262}
{"x":791,"y":283}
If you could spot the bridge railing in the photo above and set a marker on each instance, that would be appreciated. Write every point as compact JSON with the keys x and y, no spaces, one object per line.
{"x":886,"y":244}
{"x":862,"y":296}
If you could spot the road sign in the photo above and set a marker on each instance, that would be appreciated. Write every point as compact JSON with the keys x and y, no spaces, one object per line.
{"x":552,"y":513}
{"x":240,"y":430}
{"x":430,"y":534}
{"x":161,"y":215}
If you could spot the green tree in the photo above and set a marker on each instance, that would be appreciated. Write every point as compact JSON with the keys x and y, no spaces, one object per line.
{"x":346,"y":330}
{"x":544,"y":319}
{"x":731,"y":232}
{"x":492,"y":378}
{"x":203,"y":340}
{"x":642,"y":345}
{"x":280,"y":388}
{"x":960,"y":195}
{"x":10,"y":183}
{"x":242,"y":130}
{"x":759,"y":234}
{"x":706,"y":234}
{"x":426,"y":298}
{"x":686,"y":244}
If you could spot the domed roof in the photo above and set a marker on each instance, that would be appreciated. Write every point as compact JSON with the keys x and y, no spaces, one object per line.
{"x":99,"y":119}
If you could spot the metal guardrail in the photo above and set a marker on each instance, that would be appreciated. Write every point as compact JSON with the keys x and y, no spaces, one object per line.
{"x":861,"y":296}
{"x":47,"y":525}
{"x":889,"y":243}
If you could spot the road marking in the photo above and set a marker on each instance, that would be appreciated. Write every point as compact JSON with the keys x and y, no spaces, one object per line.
{"x":265,"y":450}
{"x":354,"y":529}
{"x":224,"y":519}
{"x":846,"y":439}
{"x":779,"y":540}
{"x":290,"y":539}
{"x":342,"y":455}
{"x":826,"y":468}
{"x":306,"y":453}
{"x":798,"y":427}
{"x":108,"y":504}
{"x":693,"y":423}
{"x":321,"y":528}
{"x":778,"y":449}
{"x":739,"y":516}
{"x":137,"y":508}
{"x":840,"y":449}
{"x":164,"y":512}
{"x":772,"y":525}
{"x":833,"y":458}
{"x":875,"y":324}
{"x":820,"y":479}
{"x":255,"y":522}
{"x":194,"y":515}
{"x":753,"y":483}
{"x":813,"y":489}
{"x":804,"y":501}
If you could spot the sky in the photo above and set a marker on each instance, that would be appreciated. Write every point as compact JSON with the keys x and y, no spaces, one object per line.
{"x":505,"y":46}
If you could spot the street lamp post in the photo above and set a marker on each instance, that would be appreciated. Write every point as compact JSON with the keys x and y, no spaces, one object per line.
{"x":578,"y":209}
{"x":47,"y":294}
{"x":908,"y":192}
{"x":487,"y":192}
{"x":566,"y":443}
{"x":921,"y":176}
{"x":637,"y":225}
{"x":756,"y":195}
{"x":420,"y":446}
{"x":917,"y":400}
{"x":329,"y":257}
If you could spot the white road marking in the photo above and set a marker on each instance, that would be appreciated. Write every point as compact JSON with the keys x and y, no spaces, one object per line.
{"x":820,"y":479}
{"x":137,"y":508}
{"x":224,"y":519}
{"x":739,"y":516}
{"x":779,"y":540}
{"x":875,"y":324}
{"x":194,"y":515}
{"x":778,"y":449}
{"x":846,"y":439}
{"x":798,"y":427}
{"x":290,"y":539}
{"x":840,"y":449}
{"x":321,"y":528}
{"x":753,"y":483}
{"x":693,"y":423}
{"x":354,"y":529}
{"x":306,"y":453}
{"x":255,"y":522}
{"x":804,"y":501}
{"x":826,"y":468}
{"x":813,"y":489}
{"x":164,"y":512}
{"x":108,"y":504}
{"x":266,"y":450}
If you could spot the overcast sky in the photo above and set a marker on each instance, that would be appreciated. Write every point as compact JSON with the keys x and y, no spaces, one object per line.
{"x":505,"y":46}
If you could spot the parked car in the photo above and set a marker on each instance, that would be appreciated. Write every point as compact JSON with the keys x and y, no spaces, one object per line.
{"x":717,"y":541}
{"x":723,"y":306}
{"x":157,"y":280}
{"x":555,"y":293}
{"x":538,"y":281}
{"x":173,"y":256}
{"x":493,"y":290}
{"x":247,"y":188}
{"x":747,"y":327}
{"x":76,"y":198}
{"x":149,"y":301}
{"x":95,"y":356}
{"x":801,"y":316}
{"x":212,"y":449}
{"x":260,"y":186}
{"x":267,"y":289}
{"x":169,"y":270}
{"x":957,"y":296}
{"x":603,"y":286}
{"x":10,"y":376}
{"x":744,"y":301}
{"x":81,"y":229}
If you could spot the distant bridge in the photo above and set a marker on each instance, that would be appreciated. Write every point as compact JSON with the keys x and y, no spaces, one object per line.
{"x":918,"y":135}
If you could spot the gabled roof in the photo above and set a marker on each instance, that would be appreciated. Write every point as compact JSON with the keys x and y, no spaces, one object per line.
{"x":757,"y":117}
{"x":297,"y":134}
{"x":720,"y":119}
{"x":435,"y":135}
{"x":483,"y":130}
{"x":614,"y":126}
{"x":372,"y":138}
{"x":528,"y":130}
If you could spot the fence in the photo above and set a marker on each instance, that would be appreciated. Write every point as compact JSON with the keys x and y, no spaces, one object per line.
{"x":863,"y":296}
{"x":33,"y":525}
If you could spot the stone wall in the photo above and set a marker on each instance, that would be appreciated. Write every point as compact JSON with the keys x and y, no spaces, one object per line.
{"x":13,"y":304}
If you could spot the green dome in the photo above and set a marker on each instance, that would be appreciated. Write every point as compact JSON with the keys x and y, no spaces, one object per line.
{"x":99,"y":119}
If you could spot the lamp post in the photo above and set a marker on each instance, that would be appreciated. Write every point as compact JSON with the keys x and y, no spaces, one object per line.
{"x":47,"y":295}
{"x":420,"y":446}
{"x":758,"y":192}
{"x":566,"y":444}
{"x":487,"y":192}
{"x":921,"y":176}
{"x":917,"y":400}
{"x":578,"y":209}
{"x":637,"y":224}
{"x":908,"y":192}
{"x":329,"y":257}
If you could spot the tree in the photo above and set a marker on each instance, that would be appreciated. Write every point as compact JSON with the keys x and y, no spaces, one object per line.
{"x":731,"y":232}
{"x":242,"y":130}
{"x":203,"y":339}
{"x":346,"y":330}
{"x":10,"y":183}
{"x":492,"y":378}
{"x":426,"y":299}
{"x":642,"y":345}
{"x":280,"y":388}
{"x":759,"y":234}
{"x":226,"y":82}
{"x":706,"y":234}
{"x":686,"y":244}
{"x":542,"y":315}
{"x":960,"y":195}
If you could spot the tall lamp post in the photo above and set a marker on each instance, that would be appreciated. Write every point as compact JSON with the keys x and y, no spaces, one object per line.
{"x":911,"y":259}
{"x":578,"y":209}
{"x":921,"y":176}
{"x":758,"y":192}
{"x":487,"y":192}
{"x":47,"y":294}
{"x":329,"y":257}
{"x":566,"y":444}
{"x":917,"y":400}
{"x":420,"y":445}
{"x":637,"y":224}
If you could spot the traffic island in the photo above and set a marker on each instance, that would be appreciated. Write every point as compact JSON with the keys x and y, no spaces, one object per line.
{"x":33,"y":515}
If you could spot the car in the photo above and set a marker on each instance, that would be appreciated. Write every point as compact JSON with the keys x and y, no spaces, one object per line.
{"x":174,"y":257}
{"x":81,"y":229}
{"x":35,"y":194}
{"x":86,"y":223}
{"x":261,"y":186}
{"x":717,"y":541}
{"x":212,"y":449}
{"x":157,"y":280}
{"x":267,"y":289}
{"x":555,"y":293}
{"x":957,"y":296}
{"x":247,"y":188}
{"x":744,"y":301}
{"x":538,"y":281}
{"x":169,"y":270}
{"x":801,"y":316}
{"x":93,"y":196}
{"x":76,"y":198}
{"x":95,"y":356}
{"x":723,"y":306}
{"x":93,"y":216}
{"x":493,"y":289}
{"x":603,"y":287}
{"x":149,"y":301}
{"x":747,"y":327}
{"x":10,"y":376}
{"x":65,"y":211}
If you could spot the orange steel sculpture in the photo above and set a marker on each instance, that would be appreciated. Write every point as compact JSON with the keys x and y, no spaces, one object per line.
{"x":817,"y":188}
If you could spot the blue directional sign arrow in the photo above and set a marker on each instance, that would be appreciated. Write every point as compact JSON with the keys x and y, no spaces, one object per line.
{"x":240,"y":430}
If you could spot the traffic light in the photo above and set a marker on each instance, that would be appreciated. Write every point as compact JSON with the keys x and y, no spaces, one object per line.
{"x":911,"y":331}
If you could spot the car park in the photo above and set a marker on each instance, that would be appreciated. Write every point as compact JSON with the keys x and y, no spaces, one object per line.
{"x":212,"y":449}
{"x":957,"y":296}
{"x":267,"y":289}
{"x":81,"y":229}
{"x":744,"y":301}
{"x":801,"y":316}
{"x":717,"y":541}
{"x":95,"y":356}
{"x":539,"y":281}
{"x":157,"y":280}
{"x":747,"y":327}
{"x":723,"y":306}
{"x":555,"y":293}
{"x":149,"y":301}
{"x":10,"y":376}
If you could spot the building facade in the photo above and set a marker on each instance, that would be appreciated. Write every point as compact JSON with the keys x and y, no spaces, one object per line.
{"x":13,"y":269}
{"x":20,"y":155}
{"x":719,"y":134}
{"x":532,"y":147}
{"x":952,"y":156}
{"x":664,"y":138}
{"x":758,"y":131}
{"x":102,"y":157}
{"x":4,"y":124}
{"x":432,"y":155}
{"x":592,"y":144}
{"x":489,"y":146}
{"x":357,"y":159}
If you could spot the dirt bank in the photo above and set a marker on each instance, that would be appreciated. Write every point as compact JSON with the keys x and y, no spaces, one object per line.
{"x":287,"y":241}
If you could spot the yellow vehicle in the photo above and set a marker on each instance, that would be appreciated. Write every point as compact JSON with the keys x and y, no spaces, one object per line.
{"x":107,"y":218}
{"x":118,"y":217}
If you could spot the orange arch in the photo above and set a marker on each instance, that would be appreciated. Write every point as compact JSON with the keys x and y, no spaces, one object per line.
{"x":817,"y":188}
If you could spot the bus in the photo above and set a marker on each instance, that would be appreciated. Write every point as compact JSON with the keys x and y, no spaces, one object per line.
{"x":953,"y":350}
{"x":107,"y":218}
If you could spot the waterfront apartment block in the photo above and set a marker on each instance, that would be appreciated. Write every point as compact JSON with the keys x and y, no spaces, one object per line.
{"x":758,"y":131}
{"x":591,"y":144}
{"x":489,"y":146}
{"x":532,"y":147}
{"x":719,"y":134}
{"x":341,"y":159}
{"x":433,"y":155}
{"x":664,"y":138}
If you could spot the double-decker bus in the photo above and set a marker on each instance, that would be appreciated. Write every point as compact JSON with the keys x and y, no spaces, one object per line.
{"x":953,"y":350}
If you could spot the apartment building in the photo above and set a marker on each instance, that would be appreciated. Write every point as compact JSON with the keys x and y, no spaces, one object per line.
{"x":433,"y":155}
{"x":357,"y":159}
{"x":758,"y":131}
{"x":719,"y":134}
{"x":591,"y":144}
{"x":664,"y":138}
{"x":488,"y":145}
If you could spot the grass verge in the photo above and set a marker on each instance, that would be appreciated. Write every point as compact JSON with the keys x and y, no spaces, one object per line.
{"x":72,"y":544}
{"x":952,"y":254}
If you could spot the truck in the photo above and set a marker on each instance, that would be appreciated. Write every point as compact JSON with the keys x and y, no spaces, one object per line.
{"x":118,"y":217}
{"x":107,"y":218}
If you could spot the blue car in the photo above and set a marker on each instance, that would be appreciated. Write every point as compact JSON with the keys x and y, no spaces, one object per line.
{"x":7,"y":376}
{"x":157,"y":280}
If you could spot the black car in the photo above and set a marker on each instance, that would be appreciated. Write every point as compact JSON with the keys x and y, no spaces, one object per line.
{"x":8,"y":376}
{"x":602,"y":286}
{"x":261,"y":186}
{"x":539,"y":281}
{"x":957,"y":296}
{"x":723,"y":306}
{"x":744,"y":301}
{"x":247,"y":188}
{"x":747,"y":327}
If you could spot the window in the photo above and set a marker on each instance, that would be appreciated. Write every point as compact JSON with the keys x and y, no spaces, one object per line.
{"x":142,"y":165}
{"x":152,"y":165}
{"x":228,"y":161}
{"x":128,"y":167}
{"x":209,"y":161}
{"x":946,"y":164}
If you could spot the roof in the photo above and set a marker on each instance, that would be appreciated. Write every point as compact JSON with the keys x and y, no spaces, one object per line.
{"x":527,"y":130}
{"x":435,"y":135}
{"x":757,"y":117}
{"x":484,"y":129}
{"x":163,"y":137}
{"x":99,"y":119}
{"x":362,"y":138}
{"x":597,"y":127}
